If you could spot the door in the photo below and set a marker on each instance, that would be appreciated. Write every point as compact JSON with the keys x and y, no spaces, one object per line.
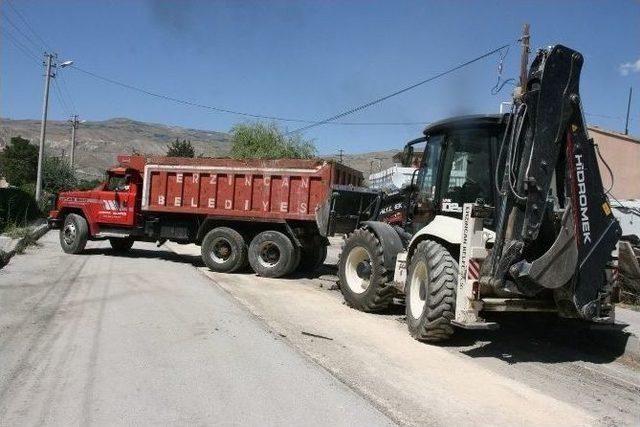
{"x":422,"y":202}
{"x":116,"y":202}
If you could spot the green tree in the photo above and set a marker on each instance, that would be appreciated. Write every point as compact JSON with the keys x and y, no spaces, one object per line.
{"x":19,"y":162}
{"x":267,"y":141}
{"x":57,"y":176}
{"x":180,"y":149}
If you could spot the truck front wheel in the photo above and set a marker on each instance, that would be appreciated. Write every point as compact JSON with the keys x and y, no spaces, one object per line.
{"x":74,"y":234}
{"x":364,"y":281}
{"x":224,"y":250}
{"x":272,"y":254}
{"x":431,"y":292}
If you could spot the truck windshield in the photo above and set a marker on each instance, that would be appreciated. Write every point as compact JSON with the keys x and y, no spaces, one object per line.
{"x":117,"y":183}
{"x":466,"y":174}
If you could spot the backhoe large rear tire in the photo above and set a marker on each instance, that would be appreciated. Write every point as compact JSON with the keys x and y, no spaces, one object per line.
{"x":363,"y":278}
{"x":431,"y":292}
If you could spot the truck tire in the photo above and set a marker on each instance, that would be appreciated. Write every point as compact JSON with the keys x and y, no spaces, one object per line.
{"x":431,"y":292}
{"x":224,"y":250}
{"x":363,"y":278}
{"x":74,"y":234}
{"x":312,"y":257}
{"x":121,"y":244}
{"x":272,"y":254}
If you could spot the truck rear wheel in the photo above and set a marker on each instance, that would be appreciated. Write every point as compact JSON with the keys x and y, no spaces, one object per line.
{"x":121,"y":244}
{"x":364,"y":280}
{"x":224,"y":250}
{"x":74,"y":234}
{"x":431,"y":292}
{"x":312,"y":257}
{"x":272,"y":254}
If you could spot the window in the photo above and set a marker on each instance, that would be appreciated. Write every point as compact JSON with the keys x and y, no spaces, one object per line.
{"x":118,"y":183}
{"x":467,"y":168}
{"x":427,"y":174}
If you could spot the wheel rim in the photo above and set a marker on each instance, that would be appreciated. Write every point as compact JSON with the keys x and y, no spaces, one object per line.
{"x":356,"y":270}
{"x":221,"y":250}
{"x":69,"y":233}
{"x":269,"y":254}
{"x":417,"y":290}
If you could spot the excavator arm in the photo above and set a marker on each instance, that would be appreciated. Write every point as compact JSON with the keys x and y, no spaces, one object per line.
{"x":554,"y":226}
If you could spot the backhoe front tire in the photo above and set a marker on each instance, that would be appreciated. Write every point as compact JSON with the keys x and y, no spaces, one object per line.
{"x":363,"y":278}
{"x":74,"y":234}
{"x":431,"y":292}
{"x":224,"y":250}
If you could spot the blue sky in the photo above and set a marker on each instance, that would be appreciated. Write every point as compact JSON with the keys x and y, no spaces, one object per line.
{"x":311,"y":59}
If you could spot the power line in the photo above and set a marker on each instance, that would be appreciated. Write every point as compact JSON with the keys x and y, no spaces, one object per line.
{"x":18,"y":44}
{"x":398,"y":92}
{"x":60,"y":98}
{"x":226,"y":110}
{"x":26,"y":23}
{"x":65,"y":90}
{"x":19,"y":30}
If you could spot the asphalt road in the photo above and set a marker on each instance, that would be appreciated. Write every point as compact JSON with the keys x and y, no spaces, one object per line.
{"x":149,"y":340}
{"x":535,"y":370}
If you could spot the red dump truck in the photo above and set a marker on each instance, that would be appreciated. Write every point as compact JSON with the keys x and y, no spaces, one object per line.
{"x":256,"y":211}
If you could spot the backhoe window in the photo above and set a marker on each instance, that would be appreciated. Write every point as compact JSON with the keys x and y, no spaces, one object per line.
{"x":467,"y":169}
{"x":426,"y":180}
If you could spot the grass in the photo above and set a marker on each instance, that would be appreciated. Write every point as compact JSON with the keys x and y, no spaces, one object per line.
{"x":16,"y":232}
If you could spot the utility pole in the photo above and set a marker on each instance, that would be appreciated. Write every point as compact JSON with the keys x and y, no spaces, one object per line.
{"x":626,"y":125}
{"x":524,"y":57}
{"x":341,"y":151}
{"x":43,"y":125}
{"x":74,"y":125}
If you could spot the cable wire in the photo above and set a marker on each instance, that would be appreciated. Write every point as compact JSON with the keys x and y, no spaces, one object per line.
{"x":229,"y":111}
{"x":24,"y":49}
{"x":58,"y":94}
{"x":26,"y":23}
{"x":19,"y":30}
{"x":398,"y":92}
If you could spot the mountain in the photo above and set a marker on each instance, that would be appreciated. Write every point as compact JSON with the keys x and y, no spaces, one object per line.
{"x":99,"y":142}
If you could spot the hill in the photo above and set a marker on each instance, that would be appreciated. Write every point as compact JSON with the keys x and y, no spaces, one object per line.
{"x":99,"y":142}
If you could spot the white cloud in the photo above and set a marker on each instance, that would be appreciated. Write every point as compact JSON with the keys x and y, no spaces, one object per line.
{"x":630,"y":67}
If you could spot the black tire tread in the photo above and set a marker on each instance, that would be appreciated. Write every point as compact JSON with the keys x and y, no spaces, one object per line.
{"x":435,"y":325}
{"x":383,"y":292}
{"x":82,"y":233}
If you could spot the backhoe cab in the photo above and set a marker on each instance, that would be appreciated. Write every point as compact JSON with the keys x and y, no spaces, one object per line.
{"x":504,"y":213}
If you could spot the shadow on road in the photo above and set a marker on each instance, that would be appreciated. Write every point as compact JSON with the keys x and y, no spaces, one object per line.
{"x":166,"y":255}
{"x":543,"y":339}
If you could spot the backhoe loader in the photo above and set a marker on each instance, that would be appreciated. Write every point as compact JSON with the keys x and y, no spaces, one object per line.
{"x":505,"y":213}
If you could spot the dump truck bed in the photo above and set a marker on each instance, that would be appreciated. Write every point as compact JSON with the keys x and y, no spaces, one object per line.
{"x":261,"y":189}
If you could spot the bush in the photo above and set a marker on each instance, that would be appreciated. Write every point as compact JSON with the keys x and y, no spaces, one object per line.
{"x":180,"y":149}
{"x":267,"y":141}
{"x":19,"y":161}
{"x":17,"y":207}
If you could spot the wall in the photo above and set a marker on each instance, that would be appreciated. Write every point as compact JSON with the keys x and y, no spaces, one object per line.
{"x":622,"y":153}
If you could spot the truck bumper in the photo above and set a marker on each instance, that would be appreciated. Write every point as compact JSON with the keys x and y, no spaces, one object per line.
{"x":54,"y":222}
